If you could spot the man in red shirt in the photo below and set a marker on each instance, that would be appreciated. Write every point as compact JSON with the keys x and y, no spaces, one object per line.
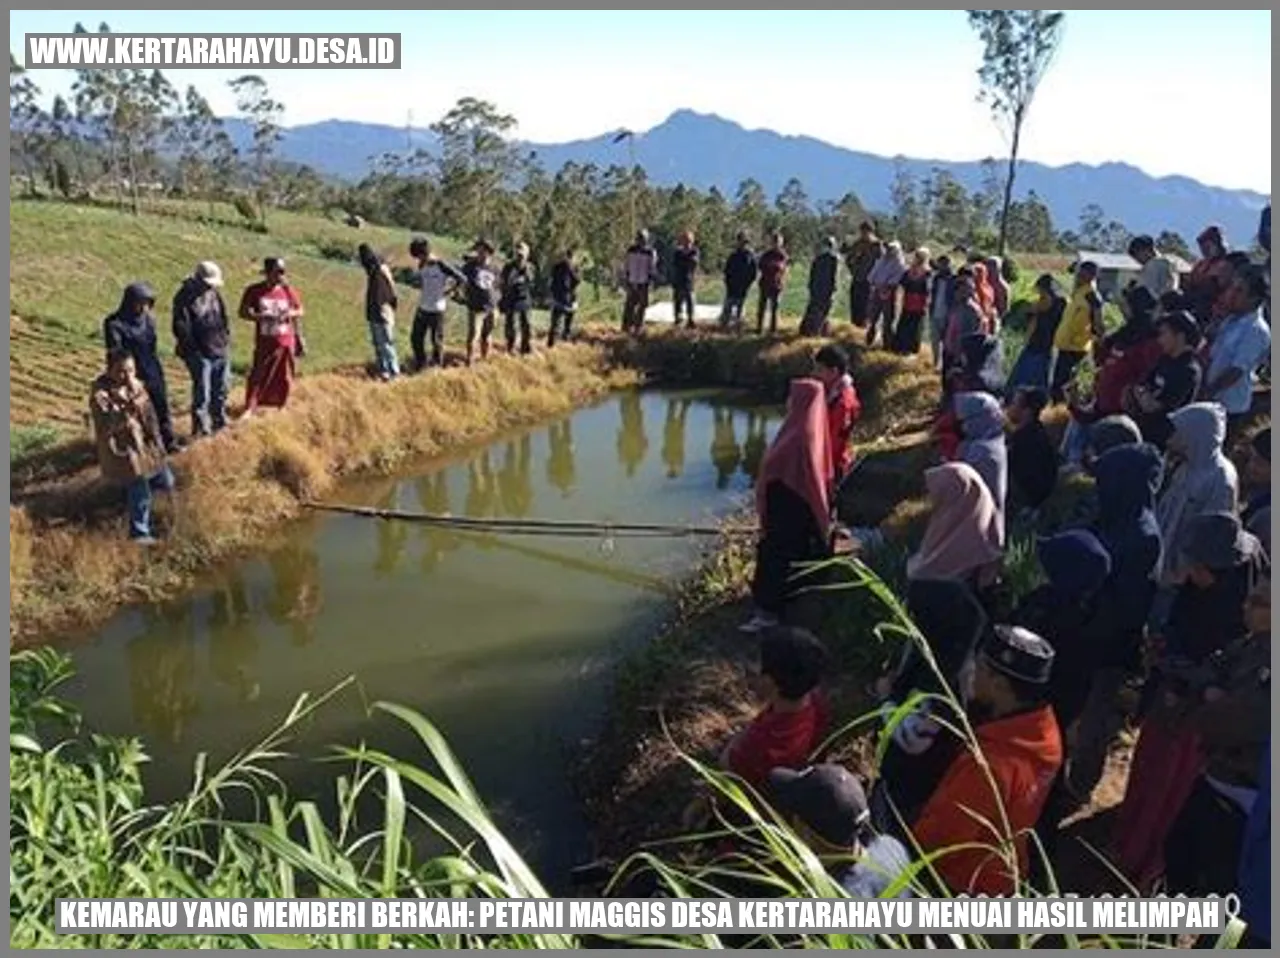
{"x":1022,"y":746}
{"x":791,"y":725}
{"x":831,"y":366}
{"x":773,"y":264}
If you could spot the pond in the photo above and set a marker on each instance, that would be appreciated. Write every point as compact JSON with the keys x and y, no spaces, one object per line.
{"x":505,"y":642}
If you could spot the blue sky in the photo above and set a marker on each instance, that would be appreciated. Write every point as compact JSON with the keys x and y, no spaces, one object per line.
{"x":1122,"y":87}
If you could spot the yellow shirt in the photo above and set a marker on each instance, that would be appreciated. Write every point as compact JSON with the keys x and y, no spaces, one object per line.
{"x":1075,"y":332}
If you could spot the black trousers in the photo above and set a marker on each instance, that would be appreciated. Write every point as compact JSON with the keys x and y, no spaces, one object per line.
{"x":768,"y":301}
{"x":561,"y":324}
{"x":158,"y":393}
{"x":518,"y":317}
{"x":1064,"y":367}
{"x":906,"y":335}
{"x":859,"y":294}
{"x":427,"y":323}
{"x":815,"y":315}
{"x":1202,"y":850}
{"x":633,"y":309}
{"x":682,"y":301}
{"x":884,"y":316}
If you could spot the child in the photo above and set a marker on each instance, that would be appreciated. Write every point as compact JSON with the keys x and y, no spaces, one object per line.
{"x":827,"y":808}
{"x":794,"y":719}
{"x":843,"y":406}
{"x":1033,"y":462}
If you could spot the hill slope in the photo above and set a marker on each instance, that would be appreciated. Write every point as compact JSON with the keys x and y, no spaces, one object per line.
{"x":704,"y":151}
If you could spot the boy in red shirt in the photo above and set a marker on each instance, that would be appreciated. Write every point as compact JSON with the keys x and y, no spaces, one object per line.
{"x":831,"y":366}
{"x":786,"y":732}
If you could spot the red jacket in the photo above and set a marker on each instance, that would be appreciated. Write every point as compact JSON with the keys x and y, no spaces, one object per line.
{"x":1024,"y":753}
{"x":777,"y":739}
{"x":843,"y":410}
{"x":1121,"y":370}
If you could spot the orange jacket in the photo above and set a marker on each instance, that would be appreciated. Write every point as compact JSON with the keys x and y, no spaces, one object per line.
{"x":1024,"y":752}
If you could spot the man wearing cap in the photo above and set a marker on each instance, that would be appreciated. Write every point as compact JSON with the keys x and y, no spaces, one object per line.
{"x":1018,"y":735}
{"x":132,"y":329}
{"x":639,"y":272}
{"x":517,"y":300}
{"x":275,"y":309}
{"x":203,"y":334}
{"x":826,"y":807}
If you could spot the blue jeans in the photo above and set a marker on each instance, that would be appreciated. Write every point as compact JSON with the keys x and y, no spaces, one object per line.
{"x":1031,"y":369}
{"x":138,"y":495}
{"x":210,"y":382}
{"x":384,"y":348}
{"x":1074,"y":442}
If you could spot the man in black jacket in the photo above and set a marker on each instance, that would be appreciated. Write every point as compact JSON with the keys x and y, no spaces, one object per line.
{"x":564,"y":297}
{"x":203,"y":332}
{"x":517,"y":299}
{"x":740,"y":271}
{"x":822,"y":287}
{"x":684,"y":272}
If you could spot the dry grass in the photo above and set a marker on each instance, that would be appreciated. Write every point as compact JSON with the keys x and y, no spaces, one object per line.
{"x":73,"y":569}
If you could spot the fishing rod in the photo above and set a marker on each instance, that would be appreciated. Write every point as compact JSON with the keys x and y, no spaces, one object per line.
{"x":561,"y":527}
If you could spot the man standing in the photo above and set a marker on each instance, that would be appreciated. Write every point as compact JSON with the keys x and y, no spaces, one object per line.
{"x":639,"y":273}
{"x":684,"y":273}
{"x":127,"y":433}
{"x":481,"y":283}
{"x":564,"y":297}
{"x":1241,"y":346}
{"x":740,"y":270}
{"x":380,"y":301}
{"x":1157,"y":274}
{"x":1081,"y":323}
{"x":773,"y":277}
{"x":822,"y":288}
{"x":202,"y":331}
{"x":517,"y":300}
{"x":435,"y":278}
{"x":132,"y":328}
{"x":861,"y":257}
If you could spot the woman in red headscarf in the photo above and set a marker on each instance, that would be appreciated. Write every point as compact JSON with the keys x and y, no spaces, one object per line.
{"x":793,"y":502}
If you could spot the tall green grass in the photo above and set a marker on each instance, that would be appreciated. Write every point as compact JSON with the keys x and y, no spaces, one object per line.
{"x":81,"y":828}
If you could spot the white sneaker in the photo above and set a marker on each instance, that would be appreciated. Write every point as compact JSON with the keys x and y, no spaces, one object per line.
{"x":758,"y":623}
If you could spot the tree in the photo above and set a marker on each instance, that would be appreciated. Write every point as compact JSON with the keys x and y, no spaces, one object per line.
{"x":1170,"y":241}
{"x":1031,"y":226}
{"x":200,"y":140}
{"x":264,"y":115}
{"x":751,"y":206}
{"x":794,"y":215}
{"x":1092,"y":226}
{"x":908,"y":211}
{"x":1115,"y":237}
{"x":476,"y":162}
{"x":1018,"y":48}
{"x":27,"y":122}
{"x":949,"y":207}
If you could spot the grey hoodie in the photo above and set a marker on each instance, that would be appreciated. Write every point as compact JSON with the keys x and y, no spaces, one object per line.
{"x":982,"y":445}
{"x":1205,"y":480}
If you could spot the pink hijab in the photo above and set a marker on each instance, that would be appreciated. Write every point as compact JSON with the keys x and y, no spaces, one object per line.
{"x":965,"y":533}
{"x":800,"y":455}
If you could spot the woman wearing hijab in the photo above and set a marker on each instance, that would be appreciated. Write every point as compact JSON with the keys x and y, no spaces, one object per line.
{"x":949,"y":580}
{"x":1128,"y":478}
{"x":885,"y":277}
{"x":964,"y":318}
{"x":1204,"y":480}
{"x":380,"y":302}
{"x":1218,"y":564}
{"x":792,"y":502}
{"x":1210,"y":277}
{"x":982,"y":443}
{"x":915,"y":303}
{"x":978,"y":369}
{"x":132,"y":329}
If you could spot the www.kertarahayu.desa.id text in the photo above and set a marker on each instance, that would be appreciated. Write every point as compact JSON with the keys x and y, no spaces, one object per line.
{"x":220,"y":50}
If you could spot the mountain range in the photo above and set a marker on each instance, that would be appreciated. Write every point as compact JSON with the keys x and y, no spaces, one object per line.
{"x":702,"y":150}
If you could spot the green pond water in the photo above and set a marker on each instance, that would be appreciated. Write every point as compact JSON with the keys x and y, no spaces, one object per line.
{"x":505,"y":643}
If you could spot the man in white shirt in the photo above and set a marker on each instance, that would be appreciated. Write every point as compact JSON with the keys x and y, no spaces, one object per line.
{"x":436,"y":279}
{"x":639,"y":272}
{"x":1241,"y":345}
{"x":1158,"y":274}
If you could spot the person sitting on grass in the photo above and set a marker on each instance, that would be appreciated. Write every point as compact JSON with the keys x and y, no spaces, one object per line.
{"x":1257,"y":476}
{"x":1172,"y":383}
{"x":826,"y":806}
{"x":793,"y":502}
{"x":831,"y":366}
{"x":1230,"y":702}
{"x":994,"y":801}
{"x":1033,"y":461}
{"x":976,"y":368}
{"x":130,"y":445}
{"x":785,"y":733}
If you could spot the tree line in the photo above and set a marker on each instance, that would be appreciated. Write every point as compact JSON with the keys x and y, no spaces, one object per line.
{"x":134,"y":133}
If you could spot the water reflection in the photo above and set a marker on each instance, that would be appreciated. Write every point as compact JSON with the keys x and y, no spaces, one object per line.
{"x":726,"y":454}
{"x":560,"y":468}
{"x":633,"y":443}
{"x":515,"y":479}
{"x":756,"y":443}
{"x":433,"y":497}
{"x":295,"y":599}
{"x":162,"y":670}
{"x":673,"y":436}
{"x":233,"y":638}
{"x":392,"y":537}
